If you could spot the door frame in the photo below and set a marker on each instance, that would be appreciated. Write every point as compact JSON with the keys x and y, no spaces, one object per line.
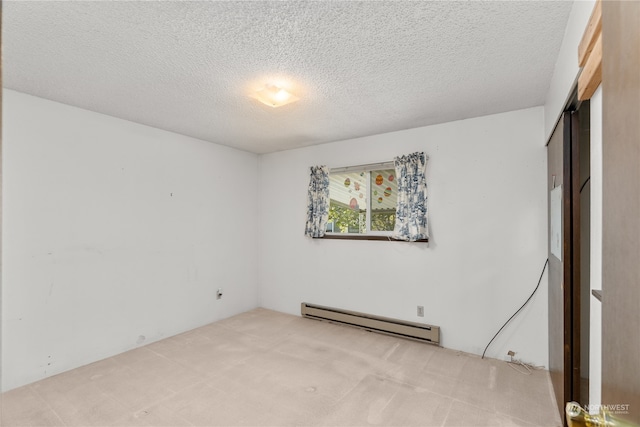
{"x":567,"y":385}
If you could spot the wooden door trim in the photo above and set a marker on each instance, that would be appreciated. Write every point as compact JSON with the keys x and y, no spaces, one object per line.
{"x":621,"y":207}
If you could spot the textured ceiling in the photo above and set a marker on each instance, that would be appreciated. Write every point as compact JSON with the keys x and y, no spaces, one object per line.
{"x":360,"y":68}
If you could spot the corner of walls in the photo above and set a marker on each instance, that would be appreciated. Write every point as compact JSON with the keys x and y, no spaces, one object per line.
{"x":259,"y":225}
{"x":566,"y":70}
{"x":115,"y":235}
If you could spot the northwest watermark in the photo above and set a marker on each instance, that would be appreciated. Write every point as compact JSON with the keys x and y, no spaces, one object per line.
{"x":612,"y":408}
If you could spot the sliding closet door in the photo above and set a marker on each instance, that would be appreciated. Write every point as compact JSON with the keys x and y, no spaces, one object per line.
{"x":559,"y":184}
{"x":568,"y":174}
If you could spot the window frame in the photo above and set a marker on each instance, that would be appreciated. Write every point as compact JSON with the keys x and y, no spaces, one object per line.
{"x":368,"y":234}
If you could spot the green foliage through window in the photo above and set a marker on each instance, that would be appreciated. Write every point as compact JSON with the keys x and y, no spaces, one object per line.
{"x":347,"y":220}
{"x":383,"y":221}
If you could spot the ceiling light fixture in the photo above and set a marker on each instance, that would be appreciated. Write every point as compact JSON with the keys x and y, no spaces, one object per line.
{"x":275,"y":96}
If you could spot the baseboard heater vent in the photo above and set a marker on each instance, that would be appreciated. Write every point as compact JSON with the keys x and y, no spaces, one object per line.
{"x":384,"y":325}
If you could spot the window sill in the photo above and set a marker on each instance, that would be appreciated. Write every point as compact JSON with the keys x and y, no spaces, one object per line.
{"x":365,"y":237}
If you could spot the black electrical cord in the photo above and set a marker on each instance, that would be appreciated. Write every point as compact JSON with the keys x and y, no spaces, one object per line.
{"x":521,"y":307}
{"x":585,"y":183}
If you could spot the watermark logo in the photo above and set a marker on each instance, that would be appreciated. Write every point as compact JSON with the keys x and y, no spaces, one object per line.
{"x":612,"y":408}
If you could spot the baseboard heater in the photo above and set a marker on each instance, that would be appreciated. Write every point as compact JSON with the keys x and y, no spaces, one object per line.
{"x":384,"y":325}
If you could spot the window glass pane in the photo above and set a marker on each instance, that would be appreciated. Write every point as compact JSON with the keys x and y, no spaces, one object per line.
{"x":383,"y":199}
{"x":348,"y":202}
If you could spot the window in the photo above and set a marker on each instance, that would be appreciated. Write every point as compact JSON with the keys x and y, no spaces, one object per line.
{"x":362,"y":200}
{"x":369,"y":202}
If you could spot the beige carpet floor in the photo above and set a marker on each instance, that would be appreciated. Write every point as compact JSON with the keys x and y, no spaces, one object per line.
{"x":264,"y":368}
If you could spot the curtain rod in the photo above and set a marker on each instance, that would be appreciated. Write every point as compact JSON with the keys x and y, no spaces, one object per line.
{"x":369,"y":166}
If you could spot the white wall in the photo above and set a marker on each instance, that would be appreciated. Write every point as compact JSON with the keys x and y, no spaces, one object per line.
{"x":595,"y":319}
{"x":566,"y":70}
{"x":115,"y":235}
{"x":487,"y":189}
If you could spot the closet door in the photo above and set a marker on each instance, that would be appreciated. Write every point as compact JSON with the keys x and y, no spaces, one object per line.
{"x":559,"y":211}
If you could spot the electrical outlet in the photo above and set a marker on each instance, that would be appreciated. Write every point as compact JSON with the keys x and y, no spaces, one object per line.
{"x":219,"y":294}
{"x":420,"y":311}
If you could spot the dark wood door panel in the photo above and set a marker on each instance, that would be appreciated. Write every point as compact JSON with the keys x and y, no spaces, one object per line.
{"x":557,"y":334}
{"x":621,"y":206}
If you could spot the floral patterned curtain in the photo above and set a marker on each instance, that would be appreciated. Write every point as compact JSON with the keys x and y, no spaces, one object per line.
{"x":411,"y":213}
{"x":317,"y":202}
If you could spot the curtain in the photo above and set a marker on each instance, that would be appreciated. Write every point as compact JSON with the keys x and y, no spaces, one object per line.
{"x":317,"y":202}
{"x":411,"y":213}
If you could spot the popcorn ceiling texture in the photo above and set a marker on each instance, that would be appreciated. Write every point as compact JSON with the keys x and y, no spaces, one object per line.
{"x":360,"y":68}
